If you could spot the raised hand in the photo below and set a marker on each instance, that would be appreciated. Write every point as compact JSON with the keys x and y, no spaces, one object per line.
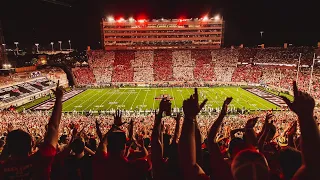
{"x":165,"y":106}
{"x":268,"y":117}
{"x":225,"y":105}
{"x":74,"y":132}
{"x":59,"y":90}
{"x":118,"y":118}
{"x":303,"y":104}
{"x":191,"y":106}
{"x":251,"y":123}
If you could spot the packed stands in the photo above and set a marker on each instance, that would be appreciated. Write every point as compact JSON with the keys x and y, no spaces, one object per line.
{"x":103,"y":74}
{"x":225,"y":62}
{"x":143,"y":66}
{"x":270,"y":66}
{"x":247,"y":74}
{"x":162,"y":66}
{"x":203,"y":70}
{"x":84,"y":76}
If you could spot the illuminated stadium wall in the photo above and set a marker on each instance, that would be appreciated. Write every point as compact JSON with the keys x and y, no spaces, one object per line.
{"x":203,"y":33}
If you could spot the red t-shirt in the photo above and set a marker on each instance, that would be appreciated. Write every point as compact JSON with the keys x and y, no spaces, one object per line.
{"x":105,"y":166}
{"x":36,"y":166}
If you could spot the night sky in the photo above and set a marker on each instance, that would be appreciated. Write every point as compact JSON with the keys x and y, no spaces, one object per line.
{"x":31,"y":21}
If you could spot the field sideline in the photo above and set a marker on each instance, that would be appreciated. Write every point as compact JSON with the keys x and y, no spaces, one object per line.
{"x":146,"y":98}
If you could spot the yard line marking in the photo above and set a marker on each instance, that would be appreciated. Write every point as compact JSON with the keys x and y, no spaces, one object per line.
{"x":116,"y":99}
{"x":154,"y":99}
{"x":77,"y":99}
{"x":135,"y":99}
{"x":174,"y":99}
{"x":126,"y":98}
{"x":145,"y":98}
{"x":233,"y":97}
{"x":211,"y":97}
{"x":108,"y":97}
{"x":97,"y":99}
{"x":241,"y":98}
{"x":256,"y":100}
{"x":181,"y":94}
{"x":89,"y":99}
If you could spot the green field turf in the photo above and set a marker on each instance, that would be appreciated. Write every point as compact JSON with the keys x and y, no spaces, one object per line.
{"x":144,"y":98}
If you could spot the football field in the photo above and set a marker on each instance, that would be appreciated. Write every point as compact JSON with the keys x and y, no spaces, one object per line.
{"x":149,"y":98}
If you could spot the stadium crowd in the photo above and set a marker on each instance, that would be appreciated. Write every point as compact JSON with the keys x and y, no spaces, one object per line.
{"x":252,"y":146}
{"x":221,"y":65}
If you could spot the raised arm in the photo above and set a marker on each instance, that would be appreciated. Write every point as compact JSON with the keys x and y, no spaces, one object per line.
{"x":219,"y":168}
{"x":177,"y":129}
{"x":291,"y":133}
{"x":250,"y":135}
{"x":303,"y":105}
{"x":156,"y":143}
{"x":98,"y":131}
{"x":51,"y":136}
{"x":187,"y":142}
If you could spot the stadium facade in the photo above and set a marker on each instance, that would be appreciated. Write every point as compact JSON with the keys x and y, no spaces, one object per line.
{"x":141,"y":34}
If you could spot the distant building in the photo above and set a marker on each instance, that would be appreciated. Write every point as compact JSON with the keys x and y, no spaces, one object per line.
{"x":203,"y":33}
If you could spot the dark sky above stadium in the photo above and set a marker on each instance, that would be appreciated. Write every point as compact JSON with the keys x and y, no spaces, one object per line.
{"x":31,"y":21}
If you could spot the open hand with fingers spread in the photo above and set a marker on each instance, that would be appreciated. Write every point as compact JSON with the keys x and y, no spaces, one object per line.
{"x":303,"y":104}
{"x":118,"y":118}
{"x":191,"y":106}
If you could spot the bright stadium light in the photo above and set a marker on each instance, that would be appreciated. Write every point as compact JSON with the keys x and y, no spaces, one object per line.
{"x":37,"y":44}
{"x":217,"y":18}
{"x":16,"y":43}
{"x":110,"y":19}
{"x":205,"y":18}
{"x":52,"y":43}
{"x":131,"y":19}
{"x":141,"y":20}
{"x":121,"y":19}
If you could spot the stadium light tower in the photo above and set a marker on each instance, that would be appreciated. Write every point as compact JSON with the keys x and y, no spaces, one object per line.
{"x":60,"y":42}
{"x":69,"y":44}
{"x":16,"y":43}
{"x":37,"y":44}
{"x":52,"y":43}
{"x":261,"y":33}
{"x":4,"y":47}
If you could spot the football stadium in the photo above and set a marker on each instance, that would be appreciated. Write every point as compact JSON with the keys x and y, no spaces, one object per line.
{"x":161,"y":98}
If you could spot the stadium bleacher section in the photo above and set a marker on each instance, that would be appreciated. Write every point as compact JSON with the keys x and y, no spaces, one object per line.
{"x":23,"y":87}
{"x":270,"y":66}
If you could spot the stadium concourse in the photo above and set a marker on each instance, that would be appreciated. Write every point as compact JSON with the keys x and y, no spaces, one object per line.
{"x":215,"y":139}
